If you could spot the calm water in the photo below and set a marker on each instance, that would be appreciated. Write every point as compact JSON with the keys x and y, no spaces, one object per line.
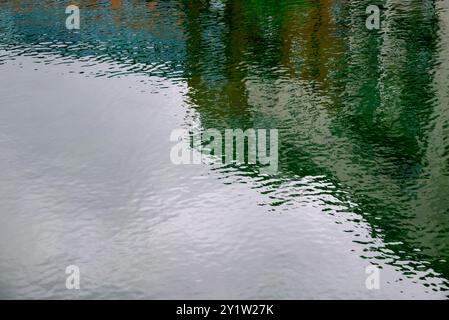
{"x":86,"y":178}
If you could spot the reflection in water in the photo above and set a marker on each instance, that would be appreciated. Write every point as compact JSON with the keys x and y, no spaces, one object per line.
{"x":363,"y":115}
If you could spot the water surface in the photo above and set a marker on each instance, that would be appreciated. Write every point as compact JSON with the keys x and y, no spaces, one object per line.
{"x":86,"y":178}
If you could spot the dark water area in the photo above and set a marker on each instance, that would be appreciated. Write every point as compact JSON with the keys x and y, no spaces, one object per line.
{"x":363,"y":119}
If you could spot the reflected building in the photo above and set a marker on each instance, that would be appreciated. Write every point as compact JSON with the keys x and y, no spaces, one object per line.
{"x":353,"y":104}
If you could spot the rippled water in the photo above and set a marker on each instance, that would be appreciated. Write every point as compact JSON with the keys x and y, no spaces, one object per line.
{"x":86,"y":177}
